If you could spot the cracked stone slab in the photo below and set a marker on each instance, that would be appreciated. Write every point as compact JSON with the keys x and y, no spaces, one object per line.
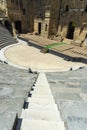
{"x":13,"y":105}
{"x":66,"y":90}
{"x":14,"y":87}
{"x":7,"y":120}
{"x":67,"y":96}
{"x":72,"y":108}
{"x":76,"y":123}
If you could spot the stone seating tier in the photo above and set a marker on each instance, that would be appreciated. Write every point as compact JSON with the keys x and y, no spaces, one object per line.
{"x":15,"y":84}
{"x":6,"y":38}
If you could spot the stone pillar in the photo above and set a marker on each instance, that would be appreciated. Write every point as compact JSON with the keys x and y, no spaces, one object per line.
{"x":14,"y":30}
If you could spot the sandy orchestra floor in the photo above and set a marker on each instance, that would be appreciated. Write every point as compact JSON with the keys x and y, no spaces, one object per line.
{"x":30,"y":57}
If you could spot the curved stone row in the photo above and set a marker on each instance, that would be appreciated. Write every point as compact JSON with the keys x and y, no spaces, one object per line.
{"x":6,"y":38}
{"x":15,"y":84}
{"x":70,"y":92}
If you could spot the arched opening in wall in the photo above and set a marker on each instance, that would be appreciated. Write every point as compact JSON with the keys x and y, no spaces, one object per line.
{"x":70,"y":30}
{"x":18,"y":26}
{"x":39,"y":28}
{"x":8,"y":25}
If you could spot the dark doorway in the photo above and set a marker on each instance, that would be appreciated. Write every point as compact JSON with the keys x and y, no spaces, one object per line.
{"x":46,"y":27}
{"x":18,"y":26}
{"x":86,"y":8}
{"x":39,"y":28}
{"x":67,"y":8}
{"x":8,"y":25}
{"x":70,"y":31}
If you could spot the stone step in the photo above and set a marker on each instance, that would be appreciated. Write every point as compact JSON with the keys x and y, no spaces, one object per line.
{"x":42,"y":96}
{"x":41,"y":78}
{"x":41,"y":115}
{"x":5,"y":40}
{"x":5,"y":34}
{"x":39,"y":83}
{"x":42,"y":86}
{"x":41,"y":125}
{"x":40,"y":100}
{"x":44,"y":92}
{"x":48,"y":107}
{"x":7,"y":43}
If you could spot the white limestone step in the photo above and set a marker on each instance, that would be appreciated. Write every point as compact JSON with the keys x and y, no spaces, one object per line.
{"x":42,"y":96}
{"x":41,"y":125}
{"x":44,"y":92}
{"x":42,"y":79}
{"x":41,"y":101}
{"x":43,"y":89}
{"x":45,"y":107}
{"x":41,"y":86}
{"x":39,"y":82}
{"x":41,"y":115}
{"x":42,"y":83}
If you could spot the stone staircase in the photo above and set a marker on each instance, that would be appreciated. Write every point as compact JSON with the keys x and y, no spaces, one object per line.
{"x":42,"y":112}
{"x":6,"y":38}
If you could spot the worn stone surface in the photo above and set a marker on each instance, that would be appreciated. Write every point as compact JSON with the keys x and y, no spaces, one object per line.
{"x":78,"y":123}
{"x":7,"y":120}
{"x":70,"y":92}
{"x":14,"y":87}
{"x":41,"y":115}
{"x":67,"y":96}
{"x":73,"y":108}
{"x":41,"y":125}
